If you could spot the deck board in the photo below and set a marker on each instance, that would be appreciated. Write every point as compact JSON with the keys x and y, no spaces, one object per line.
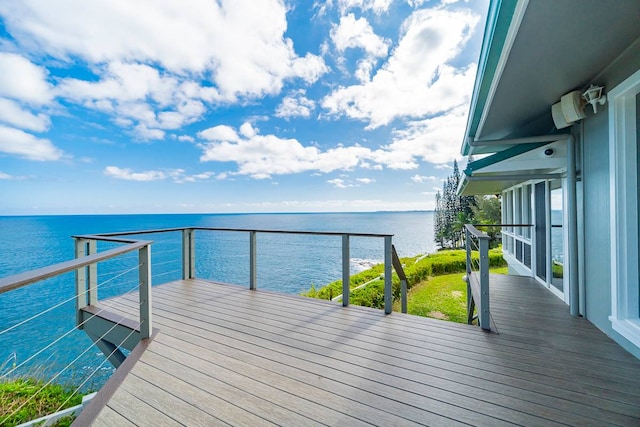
{"x":225,"y":355}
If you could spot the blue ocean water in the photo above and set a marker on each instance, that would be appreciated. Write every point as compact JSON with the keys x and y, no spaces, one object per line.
{"x":286,"y":263}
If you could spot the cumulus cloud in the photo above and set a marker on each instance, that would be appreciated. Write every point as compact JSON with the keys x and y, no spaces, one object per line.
{"x":261,"y":156}
{"x":376,"y":6}
{"x":357,"y":33}
{"x":296,"y":104}
{"x":417,"y":80}
{"x":434,"y":140}
{"x":240,"y":43}
{"x":22,"y":80}
{"x":22,"y":144}
{"x":155,"y":78}
{"x":12,"y":113}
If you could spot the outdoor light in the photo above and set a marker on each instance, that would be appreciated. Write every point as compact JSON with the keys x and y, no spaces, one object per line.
{"x":594,"y":96}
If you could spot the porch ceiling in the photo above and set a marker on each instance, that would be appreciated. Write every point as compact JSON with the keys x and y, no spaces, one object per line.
{"x":497,"y":172}
{"x":559,"y":46}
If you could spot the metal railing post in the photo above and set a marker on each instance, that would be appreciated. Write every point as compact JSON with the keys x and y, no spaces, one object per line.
{"x":388,"y":276}
{"x":253,"y":261}
{"x":92,"y":274}
{"x":188,"y":254}
{"x":485,"y":320}
{"x":81,"y":280}
{"x":346,"y":273}
{"x":144,"y":272}
{"x":467,"y":244}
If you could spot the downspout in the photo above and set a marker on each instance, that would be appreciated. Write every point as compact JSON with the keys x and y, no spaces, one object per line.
{"x":572,"y":202}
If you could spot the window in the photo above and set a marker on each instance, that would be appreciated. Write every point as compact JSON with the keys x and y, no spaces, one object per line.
{"x":624,"y":163}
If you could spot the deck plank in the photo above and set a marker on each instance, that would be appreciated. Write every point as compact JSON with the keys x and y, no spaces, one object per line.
{"x":227,"y":355}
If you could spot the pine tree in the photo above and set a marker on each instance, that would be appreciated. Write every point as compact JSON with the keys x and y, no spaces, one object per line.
{"x":452,"y":212}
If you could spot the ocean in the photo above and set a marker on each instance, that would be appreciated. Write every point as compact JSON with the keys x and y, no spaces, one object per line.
{"x":48,"y":344}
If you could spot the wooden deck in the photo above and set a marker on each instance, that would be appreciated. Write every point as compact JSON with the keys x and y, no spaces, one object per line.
{"x":225,"y":355}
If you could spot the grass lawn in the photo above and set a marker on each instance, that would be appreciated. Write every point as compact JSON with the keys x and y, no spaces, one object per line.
{"x":441,"y":297}
{"x":31,"y":399}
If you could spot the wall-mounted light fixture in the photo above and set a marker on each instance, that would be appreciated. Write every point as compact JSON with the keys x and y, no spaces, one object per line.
{"x":569,"y":110}
{"x":594,"y":96}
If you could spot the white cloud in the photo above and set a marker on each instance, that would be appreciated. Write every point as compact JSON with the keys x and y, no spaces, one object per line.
{"x":150,"y":57}
{"x":22,"y":144}
{"x":22,"y":80}
{"x":444,"y":166}
{"x":416,"y":81}
{"x":7,"y":177}
{"x":186,"y":138}
{"x":13,"y":114}
{"x":366,"y":180}
{"x":435,"y":140}
{"x":144,"y":133}
{"x":129,"y":175}
{"x":296,"y":104}
{"x":178,"y":176}
{"x":339,"y":183}
{"x":239,"y":43}
{"x":376,"y":6}
{"x":358,"y":33}
{"x":261,"y":156}
{"x":422,"y":178}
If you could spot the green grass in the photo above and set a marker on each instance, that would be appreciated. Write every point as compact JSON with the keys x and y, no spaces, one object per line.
{"x":439,"y":263}
{"x":441,"y":297}
{"x":25,"y":391}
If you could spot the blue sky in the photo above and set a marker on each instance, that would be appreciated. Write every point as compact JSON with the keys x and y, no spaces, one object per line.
{"x":114,"y":106}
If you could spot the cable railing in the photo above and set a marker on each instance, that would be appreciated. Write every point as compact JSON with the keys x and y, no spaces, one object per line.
{"x":72,"y":356}
{"x":125,"y":263}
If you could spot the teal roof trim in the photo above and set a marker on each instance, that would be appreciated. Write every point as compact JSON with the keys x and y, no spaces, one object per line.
{"x":501,"y":156}
{"x":499,"y":20}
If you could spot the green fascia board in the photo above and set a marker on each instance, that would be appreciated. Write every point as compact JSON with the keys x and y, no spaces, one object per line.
{"x":501,"y":156}
{"x":499,"y":20}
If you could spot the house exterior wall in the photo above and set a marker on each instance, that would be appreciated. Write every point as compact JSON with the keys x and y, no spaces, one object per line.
{"x":596,"y":184}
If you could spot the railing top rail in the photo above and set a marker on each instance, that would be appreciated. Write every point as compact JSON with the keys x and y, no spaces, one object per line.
{"x":246,"y":230}
{"x":22,"y":279}
{"x":475,"y":232}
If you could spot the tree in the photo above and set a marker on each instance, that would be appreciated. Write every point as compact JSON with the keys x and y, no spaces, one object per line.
{"x":487,"y":210}
{"x":452,"y":212}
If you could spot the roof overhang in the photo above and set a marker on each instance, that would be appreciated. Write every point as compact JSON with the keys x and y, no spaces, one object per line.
{"x":524,"y":161}
{"x":533,"y":53}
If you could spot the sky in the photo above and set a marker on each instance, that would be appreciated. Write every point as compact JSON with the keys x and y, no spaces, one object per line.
{"x":221,"y":106}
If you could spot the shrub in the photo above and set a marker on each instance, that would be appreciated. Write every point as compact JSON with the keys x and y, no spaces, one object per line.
{"x":372,"y":295}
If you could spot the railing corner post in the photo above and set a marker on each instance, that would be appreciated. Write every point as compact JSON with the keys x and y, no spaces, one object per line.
{"x":81,"y":280}
{"x":144,"y":269}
